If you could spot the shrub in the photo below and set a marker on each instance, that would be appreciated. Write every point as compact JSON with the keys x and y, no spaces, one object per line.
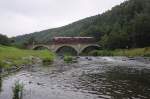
{"x":68,"y":59}
{"x":47,"y":61}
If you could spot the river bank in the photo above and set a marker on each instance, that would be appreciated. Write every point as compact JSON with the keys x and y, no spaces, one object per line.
{"x":135,"y":52}
{"x":89,"y":78}
{"x":13,"y":59}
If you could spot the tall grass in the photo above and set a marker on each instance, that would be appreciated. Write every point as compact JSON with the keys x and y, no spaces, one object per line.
{"x":18,"y":90}
{"x":14,"y":56}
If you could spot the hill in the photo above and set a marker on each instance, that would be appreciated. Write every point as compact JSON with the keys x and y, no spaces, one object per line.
{"x":124,"y":26}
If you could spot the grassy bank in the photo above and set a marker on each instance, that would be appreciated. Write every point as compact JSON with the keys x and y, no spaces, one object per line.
{"x":10,"y":56}
{"x":123,"y":52}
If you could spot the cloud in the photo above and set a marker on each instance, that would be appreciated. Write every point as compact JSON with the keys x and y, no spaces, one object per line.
{"x":26,"y":16}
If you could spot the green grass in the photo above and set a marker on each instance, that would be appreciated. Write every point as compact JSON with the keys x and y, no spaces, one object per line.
{"x":123,"y":52}
{"x":13,"y":56}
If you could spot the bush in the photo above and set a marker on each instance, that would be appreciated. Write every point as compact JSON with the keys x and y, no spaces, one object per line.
{"x":47,"y":61}
{"x":68,"y":59}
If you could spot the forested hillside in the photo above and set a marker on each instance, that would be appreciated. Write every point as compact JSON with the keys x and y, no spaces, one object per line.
{"x":124,"y":26}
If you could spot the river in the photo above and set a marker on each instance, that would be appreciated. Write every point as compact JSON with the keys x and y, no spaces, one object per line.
{"x":89,"y":78}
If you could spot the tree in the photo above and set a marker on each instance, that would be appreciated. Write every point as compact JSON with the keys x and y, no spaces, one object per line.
{"x":141,"y":31}
{"x":104,"y":40}
{"x":115,"y":40}
{"x":4,"y":40}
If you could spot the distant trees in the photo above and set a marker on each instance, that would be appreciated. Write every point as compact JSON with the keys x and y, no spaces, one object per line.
{"x":4,"y":40}
{"x":24,"y":45}
{"x":31,"y":41}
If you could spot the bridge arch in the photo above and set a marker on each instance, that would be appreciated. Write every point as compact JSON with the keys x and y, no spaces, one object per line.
{"x":68,"y":48}
{"x":89,"y":48}
{"x":40,"y":47}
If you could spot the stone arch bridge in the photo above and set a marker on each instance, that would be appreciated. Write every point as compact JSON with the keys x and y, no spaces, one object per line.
{"x":78,"y":44}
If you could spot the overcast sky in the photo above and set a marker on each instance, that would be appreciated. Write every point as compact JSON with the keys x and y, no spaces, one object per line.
{"x":18,"y":17}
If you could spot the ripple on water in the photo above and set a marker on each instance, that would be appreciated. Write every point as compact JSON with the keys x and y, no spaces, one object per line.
{"x":118,"y":82}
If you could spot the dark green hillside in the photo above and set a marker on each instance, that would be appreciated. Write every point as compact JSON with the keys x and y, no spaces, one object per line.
{"x":126,"y":25}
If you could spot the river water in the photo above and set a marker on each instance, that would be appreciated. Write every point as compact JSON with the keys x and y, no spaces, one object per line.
{"x":89,"y":78}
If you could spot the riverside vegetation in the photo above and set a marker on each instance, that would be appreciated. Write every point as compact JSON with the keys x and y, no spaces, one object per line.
{"x":10,"y":56}
{"x":144,"y":52}
{"x":18,"y":90}
{"x":69,"y":59}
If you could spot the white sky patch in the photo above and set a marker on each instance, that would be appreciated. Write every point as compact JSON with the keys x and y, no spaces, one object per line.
{"x":18,"y":17}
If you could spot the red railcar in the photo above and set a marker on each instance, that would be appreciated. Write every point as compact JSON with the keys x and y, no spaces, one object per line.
{"x":73,"y":40}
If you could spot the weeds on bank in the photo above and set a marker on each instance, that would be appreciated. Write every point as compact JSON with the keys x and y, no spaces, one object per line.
{"x":70,"y":59}
{"x":17,"y":90}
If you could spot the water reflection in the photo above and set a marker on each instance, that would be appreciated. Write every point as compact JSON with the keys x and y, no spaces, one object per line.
{"x":118,"y":83}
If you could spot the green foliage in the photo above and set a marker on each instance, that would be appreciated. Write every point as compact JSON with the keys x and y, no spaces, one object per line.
{"x":15,"y":57}
{"x":101,"y":53}
{"x":125,"y":25}
{"x":1,"y":64}
{"x":123,"y":52}
{"x":47,"y":60}
{"x":146,"y":55}
{"x":68,"y":59}
{"x":4,"y":40}
{"x":115,"y":40}
{"x":18,"y":90}
{"x":141,"y":32}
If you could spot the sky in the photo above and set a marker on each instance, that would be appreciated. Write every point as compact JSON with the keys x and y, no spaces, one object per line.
{"x":19,"y":17}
